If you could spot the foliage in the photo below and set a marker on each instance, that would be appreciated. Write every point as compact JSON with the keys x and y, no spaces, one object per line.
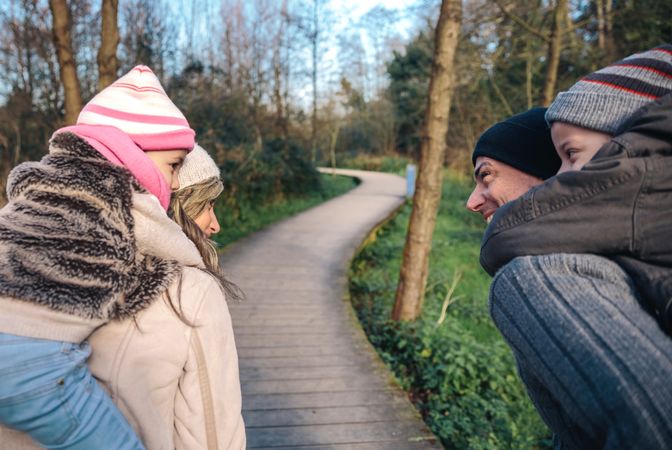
{"x":383,"y":163}
{"x":459,"y":372}
{"x":409,"y":81}
{"x":254,"y":216}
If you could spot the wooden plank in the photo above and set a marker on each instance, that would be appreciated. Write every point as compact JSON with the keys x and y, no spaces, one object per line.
{"x":335,"y":434}
{"x":308,"y":328}
{"x":266,"y":282}
{"x":256,"y":373}
{"x":302,"y":362}
{"x":333,"y":385}
{"x":336,"y":349}
{"x":293,"y":298}
{"x":322,"y":399}
{"x":419,"y":444}
{"x":284,"y":340}
{"x":324,"y":416}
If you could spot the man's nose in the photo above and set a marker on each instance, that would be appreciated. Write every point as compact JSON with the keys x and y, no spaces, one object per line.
{"x":475,"y":200}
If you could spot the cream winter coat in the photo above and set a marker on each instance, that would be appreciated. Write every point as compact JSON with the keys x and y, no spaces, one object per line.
{"x":177,"y":384}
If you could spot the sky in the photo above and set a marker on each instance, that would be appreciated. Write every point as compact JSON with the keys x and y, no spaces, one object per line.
{"x":360,"y":7}
{"x":342,"y":17}
{"x":350,"y":12}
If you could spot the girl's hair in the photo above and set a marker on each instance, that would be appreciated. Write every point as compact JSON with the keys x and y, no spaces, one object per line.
{"x":185,"y":206}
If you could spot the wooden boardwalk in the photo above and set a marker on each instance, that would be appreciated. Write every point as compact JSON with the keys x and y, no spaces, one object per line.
{"x":310,"y":378}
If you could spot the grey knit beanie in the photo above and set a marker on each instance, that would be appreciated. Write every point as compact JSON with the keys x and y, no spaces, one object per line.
{"x":605,"y":99}
{"x":198,"y":166}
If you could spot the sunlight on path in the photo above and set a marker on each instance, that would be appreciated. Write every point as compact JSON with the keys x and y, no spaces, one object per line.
{"x":310,"y":378}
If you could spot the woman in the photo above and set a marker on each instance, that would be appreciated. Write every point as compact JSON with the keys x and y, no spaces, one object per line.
{"x":173,"y":371}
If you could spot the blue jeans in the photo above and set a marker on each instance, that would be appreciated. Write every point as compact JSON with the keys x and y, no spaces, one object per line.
{"x":48,"y":392}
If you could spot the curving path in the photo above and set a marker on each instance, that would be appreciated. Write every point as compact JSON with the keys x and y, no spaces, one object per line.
{"x":310,"y":378}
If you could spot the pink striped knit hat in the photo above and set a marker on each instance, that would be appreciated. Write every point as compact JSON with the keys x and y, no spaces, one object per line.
{"x":132,"y":116}
{"x":137,"y":105}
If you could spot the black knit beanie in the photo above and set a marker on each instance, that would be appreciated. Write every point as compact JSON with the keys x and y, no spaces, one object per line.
{"x":522,"y":141}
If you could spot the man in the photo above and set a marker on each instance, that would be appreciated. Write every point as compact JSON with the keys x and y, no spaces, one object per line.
{"x":510,"y":158}
{"x":595,"y":362}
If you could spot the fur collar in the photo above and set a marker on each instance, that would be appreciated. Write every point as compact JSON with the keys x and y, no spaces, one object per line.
{"x":67,"y":237}
{"x":156,"y":234}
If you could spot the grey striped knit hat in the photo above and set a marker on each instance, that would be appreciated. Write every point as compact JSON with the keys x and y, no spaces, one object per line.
{"x":605,"y":99}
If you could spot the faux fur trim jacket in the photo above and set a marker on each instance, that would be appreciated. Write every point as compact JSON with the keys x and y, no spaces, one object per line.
{"x":67,"y":240}
{"x":177,"y":384}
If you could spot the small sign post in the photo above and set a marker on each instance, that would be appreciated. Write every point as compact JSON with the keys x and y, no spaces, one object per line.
{"x":410,"y":180}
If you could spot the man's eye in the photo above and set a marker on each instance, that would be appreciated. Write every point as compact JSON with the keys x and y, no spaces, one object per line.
{"x":572,"y":153}
{"x":486,"y":176}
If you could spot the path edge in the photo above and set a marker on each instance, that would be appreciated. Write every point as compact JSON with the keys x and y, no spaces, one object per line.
{"x":376,"y":359}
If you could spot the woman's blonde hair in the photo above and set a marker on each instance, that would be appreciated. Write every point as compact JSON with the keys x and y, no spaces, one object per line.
{"x":185,"y":206}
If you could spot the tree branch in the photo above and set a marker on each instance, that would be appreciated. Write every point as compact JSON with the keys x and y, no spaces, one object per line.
{"x":526,"y":26}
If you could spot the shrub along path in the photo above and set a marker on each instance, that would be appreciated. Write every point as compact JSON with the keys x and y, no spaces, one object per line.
{"x":310,"y":378}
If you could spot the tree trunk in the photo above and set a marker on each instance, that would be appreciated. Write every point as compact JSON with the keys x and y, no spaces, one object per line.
{"x":286,"y":68}
{"x":277,"y":92}
{"x":313,"y":131}
{"x":554,"y":49}
{"x":528,"y":78}
{"x":60,"y":14}
{"x":414,"y":267}
{"x":332,"y":145}
{"x":609,"y":44}
{"x":601,"y":25}
{"x":109,"y":40}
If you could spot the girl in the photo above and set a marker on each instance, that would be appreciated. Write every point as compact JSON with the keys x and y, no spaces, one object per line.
{"x":173,"y":370}
{"x":71,"y":261}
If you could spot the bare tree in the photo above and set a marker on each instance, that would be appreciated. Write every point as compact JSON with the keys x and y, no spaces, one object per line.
{"x":414,"y":267}
{"x":148,"y":36}
{"x":554,"y":49}
{"x":605,"y":41}
{"x":554,"y":41}
{"x":107,"y":54}
{"x":314,"y":41}
{"x":61,"y":28}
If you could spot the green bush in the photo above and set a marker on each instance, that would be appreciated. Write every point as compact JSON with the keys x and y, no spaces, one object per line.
{"x":255,"y":215}
{"x":458,"y":371}
{"x":385,"y":163}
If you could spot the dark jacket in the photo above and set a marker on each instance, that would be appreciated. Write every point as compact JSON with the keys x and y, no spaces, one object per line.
{"x":619,"y":205}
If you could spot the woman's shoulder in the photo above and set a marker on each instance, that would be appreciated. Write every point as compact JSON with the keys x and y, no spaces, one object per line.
{"x":196,"y":293}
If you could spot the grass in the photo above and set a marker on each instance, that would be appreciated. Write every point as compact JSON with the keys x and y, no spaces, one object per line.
{"x":452,"y":361}
{"x":254,"y":217}
{"x":382,"y":163}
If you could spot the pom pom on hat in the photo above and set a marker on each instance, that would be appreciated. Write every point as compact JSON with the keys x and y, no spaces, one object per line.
{"x":605,"y":99}
{"x":198,"y":166}
{"x":137,"y":105}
